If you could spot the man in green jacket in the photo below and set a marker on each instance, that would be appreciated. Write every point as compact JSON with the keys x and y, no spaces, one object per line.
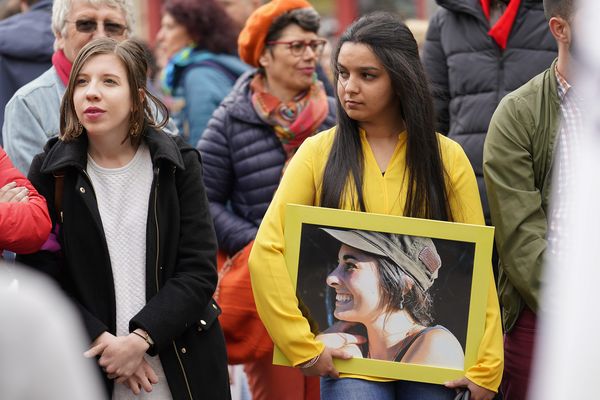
{"x":525,"y":152}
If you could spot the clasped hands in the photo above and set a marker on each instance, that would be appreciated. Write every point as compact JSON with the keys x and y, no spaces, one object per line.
{"x":122,"y":359}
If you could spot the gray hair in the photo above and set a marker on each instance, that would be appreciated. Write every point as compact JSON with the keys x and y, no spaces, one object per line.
{"x":61,"y":8}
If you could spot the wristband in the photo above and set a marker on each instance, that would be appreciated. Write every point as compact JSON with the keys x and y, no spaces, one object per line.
{"x":145,"y":337}
{"x":310,"y":362}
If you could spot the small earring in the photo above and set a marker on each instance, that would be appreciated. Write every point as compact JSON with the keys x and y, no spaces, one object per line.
{"x":135,"y":127}
{"x":402,"y":303}
{"x":78,"y":129}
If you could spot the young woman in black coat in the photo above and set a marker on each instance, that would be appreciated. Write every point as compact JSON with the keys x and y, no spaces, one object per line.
{"x":133,"y":243}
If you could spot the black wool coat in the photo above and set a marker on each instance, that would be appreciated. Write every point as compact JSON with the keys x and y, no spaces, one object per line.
{"x":470,"y":73}
{"x":179,"y":315}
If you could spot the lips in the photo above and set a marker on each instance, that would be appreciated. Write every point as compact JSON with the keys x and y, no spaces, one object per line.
{"x":307,"y":70}
{"x":93,"y":111}
{"x":343,"y":298}
{"x":91,"y":114}
{"x":352,"y":104}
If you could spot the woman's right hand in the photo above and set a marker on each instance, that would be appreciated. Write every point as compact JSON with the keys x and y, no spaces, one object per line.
{"x":324,"y":365}
{"x":143,"y":378}
{"x":11,"y":193}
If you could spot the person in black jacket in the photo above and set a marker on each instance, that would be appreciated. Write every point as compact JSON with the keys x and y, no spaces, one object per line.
{"x":132,"y":224}
{"x":245,"y":147}
{"x":476,"y":52}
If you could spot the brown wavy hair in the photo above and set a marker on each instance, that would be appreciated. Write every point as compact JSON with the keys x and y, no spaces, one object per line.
{"x":132,"y":56}
{"x":207,"y":23}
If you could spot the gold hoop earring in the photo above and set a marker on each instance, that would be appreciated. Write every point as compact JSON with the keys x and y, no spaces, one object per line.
{"x":135,"y":127}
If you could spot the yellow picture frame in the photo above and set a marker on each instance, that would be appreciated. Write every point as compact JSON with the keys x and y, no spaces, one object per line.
{"x":304,"y":217}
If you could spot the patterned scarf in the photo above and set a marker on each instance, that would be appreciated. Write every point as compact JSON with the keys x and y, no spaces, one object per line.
{"x":62,"y":65}
{"x":293,"y":122}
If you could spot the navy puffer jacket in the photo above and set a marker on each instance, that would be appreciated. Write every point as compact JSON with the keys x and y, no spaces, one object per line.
{"x":470,"y":73}
{"x":243,"y":161}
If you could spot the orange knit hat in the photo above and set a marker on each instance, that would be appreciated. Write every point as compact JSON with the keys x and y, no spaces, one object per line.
{"x":251,"y":41}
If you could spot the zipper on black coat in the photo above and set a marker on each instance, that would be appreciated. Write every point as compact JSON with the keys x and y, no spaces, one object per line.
{"x":156,"y":272}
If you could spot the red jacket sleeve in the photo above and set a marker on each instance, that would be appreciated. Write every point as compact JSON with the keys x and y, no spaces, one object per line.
{"x":24,"y":227}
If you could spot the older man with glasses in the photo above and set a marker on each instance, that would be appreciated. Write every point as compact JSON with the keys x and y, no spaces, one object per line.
{"x":32,"y":115}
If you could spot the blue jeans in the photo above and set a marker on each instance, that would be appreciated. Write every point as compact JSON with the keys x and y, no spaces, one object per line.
{"x":361,"y":389}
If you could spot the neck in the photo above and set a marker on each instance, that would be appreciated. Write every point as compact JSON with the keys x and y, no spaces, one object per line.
{"x":281,"y":92}
{"x":563,"y":64}
{"x":378,"y":130}
{"x":386,"y":332}
{"x":109,"y":152}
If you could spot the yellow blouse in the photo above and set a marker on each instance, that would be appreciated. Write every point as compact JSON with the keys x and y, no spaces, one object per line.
{"x":274,"y":293}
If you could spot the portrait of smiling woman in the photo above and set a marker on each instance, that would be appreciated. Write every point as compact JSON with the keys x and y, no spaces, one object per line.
{"x":381,"y":282}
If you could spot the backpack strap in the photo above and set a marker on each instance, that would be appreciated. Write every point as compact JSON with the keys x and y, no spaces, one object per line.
{"x":59,"y":184}
{"x":206,"y":63}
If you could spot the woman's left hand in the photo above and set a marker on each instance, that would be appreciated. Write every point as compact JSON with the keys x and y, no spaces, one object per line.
{"x":477,"y":392}
{"x":121,"y":357}
{"x":336,"y":337}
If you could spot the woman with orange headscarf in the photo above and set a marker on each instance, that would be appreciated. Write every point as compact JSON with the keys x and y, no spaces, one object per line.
{"x":250,"y":138}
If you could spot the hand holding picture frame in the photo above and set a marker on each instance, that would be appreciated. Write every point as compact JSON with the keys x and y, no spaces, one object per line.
{"x":407,"y":297}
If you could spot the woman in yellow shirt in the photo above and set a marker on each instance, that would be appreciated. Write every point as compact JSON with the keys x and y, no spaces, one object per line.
{"x":383,"y":157}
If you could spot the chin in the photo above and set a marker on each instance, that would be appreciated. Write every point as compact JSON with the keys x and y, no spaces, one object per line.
{"x":348,"y":315}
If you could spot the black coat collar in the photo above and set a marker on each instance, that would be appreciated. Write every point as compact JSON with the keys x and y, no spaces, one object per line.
{"x":60,"y":155}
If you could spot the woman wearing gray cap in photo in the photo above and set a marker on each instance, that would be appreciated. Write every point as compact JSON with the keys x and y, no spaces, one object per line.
{"x":383,"y":157}
{"x":382,"y":282}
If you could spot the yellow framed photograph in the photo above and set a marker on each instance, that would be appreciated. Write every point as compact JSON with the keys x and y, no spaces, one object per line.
{"x":406,"y":296}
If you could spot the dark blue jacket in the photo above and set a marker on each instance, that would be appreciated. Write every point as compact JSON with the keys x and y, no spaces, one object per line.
{"x":243,"y":161}
{"x":470,"y":73}
{"x":26,"y":47}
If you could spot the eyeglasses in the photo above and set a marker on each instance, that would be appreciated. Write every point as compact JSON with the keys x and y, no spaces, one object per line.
{"x":298,"y":47}
{"x":89,"y":26}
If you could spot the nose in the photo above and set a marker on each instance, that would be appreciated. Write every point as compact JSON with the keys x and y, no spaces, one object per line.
{"x":91,"y":91}
{"x":159,"y":35}
{"x":309,"y":54}
{"x":333,"y":278}
{"x":99,"y":32}
{"x":350,"y":85}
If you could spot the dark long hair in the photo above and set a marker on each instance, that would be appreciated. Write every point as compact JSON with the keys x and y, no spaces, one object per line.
{"x":395,"y":47}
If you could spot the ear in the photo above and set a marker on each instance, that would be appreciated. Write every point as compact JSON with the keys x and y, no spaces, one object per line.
{"x":560,"y":29}
{"x":409,"y":284}
{"x":59,"y":41}
{"x":265,"y":58}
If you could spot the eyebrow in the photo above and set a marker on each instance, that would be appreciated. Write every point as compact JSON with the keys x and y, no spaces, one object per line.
{"x":367,"y":68}
{"x":347,"y":257}
{"x":103,"y":75}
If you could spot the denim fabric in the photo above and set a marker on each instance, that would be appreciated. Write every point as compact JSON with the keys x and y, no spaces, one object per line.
{"x":32,"y":117}
{"x":361,"y":389}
